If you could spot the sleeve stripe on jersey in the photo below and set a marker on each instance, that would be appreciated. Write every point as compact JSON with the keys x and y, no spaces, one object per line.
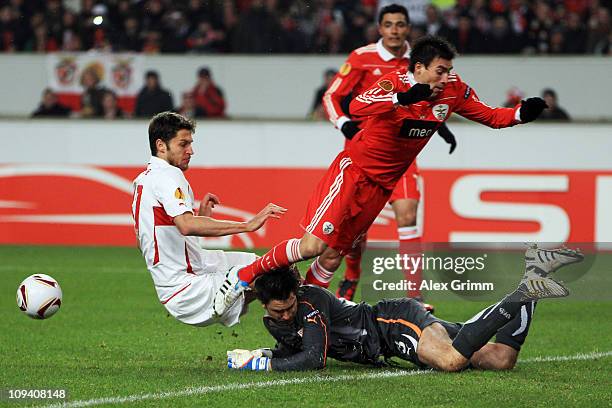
{"x":366,"y":48}
{"x":324,"y":330}
{"x":327,"y":101}
{"x":372,"y":96}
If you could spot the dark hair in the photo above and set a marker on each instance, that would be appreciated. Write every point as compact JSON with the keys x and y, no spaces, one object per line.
{"x":204,"y":72}
{"x":278,"y":284}
{"x":429,"y":47}
{"x":152,"y":73}
{"x":549,"y":92}
{"x":165,"y":126}
{"x":393,"y":8}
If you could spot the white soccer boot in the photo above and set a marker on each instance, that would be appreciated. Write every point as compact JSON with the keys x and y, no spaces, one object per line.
{"x":539,"y":263}
{"x":230,"y":291}
{"x":545,"y":261}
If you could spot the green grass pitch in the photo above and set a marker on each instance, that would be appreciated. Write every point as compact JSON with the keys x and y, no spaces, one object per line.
{"x":112,"y":339}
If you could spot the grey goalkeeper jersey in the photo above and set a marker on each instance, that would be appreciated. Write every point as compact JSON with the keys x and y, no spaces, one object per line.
{"x":323,"y":327}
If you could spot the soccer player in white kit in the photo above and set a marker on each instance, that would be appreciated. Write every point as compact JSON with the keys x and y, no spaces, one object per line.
{"x":186,"y":277}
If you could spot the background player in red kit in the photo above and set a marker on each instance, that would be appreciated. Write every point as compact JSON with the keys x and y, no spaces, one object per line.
{"x":363,"y":67}
{"x":405,"y":109}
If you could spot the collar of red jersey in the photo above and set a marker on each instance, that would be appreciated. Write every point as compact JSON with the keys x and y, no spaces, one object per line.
{"x":386,"y":55}
{"x":157,"y":162}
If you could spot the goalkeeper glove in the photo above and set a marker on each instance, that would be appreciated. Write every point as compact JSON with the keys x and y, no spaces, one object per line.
{"x":256,"y":360}
{"x":531,"y":108}
{"x":448,"y":137}
{"x":416,"y":93}
{"x":350,"y":128}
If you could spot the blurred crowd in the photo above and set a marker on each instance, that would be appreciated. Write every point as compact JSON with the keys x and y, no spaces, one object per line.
{"x":300,"y":26}
{"x":204,"y":100}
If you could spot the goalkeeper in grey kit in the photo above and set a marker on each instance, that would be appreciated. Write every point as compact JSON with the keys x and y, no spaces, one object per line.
{"x":310,"y":324}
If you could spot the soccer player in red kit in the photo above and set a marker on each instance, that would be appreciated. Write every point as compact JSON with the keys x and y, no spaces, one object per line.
{"x":363,"y":67}
{"x":404,"y":109}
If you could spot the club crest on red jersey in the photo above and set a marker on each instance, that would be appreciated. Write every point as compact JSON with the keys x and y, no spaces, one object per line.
{"x":440,"y":111}
{"x":328,"y":228}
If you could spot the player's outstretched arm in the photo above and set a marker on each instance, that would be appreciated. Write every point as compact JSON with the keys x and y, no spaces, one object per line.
{"x":189,"y":224}
{"x":269,"y":211}
{"x":474,"y":109}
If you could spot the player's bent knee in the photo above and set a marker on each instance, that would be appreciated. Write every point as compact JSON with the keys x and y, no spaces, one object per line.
{"x":311,"y":246}
{"x":330,"y":264}
{"x":507,"y":358}
{"x":435,"y":349}
{"x":406,"y":220}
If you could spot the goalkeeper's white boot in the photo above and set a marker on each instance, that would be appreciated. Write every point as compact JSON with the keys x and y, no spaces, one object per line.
{"x":539,"y":264}
{"x":545,"y":261}
{"x":534,"y":286}
{"x":230,"y":291}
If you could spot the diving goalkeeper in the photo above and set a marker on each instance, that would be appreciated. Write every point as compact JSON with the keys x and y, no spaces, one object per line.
{"x":310,"y":324}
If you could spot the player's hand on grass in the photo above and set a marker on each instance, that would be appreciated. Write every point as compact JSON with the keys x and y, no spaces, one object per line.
{"x":350,"y":128}
{"x":269,"y":211}
{"x":207,"y":204}
{"x":531,"y":108}
{"x":448,"y":137}
{"x":417,"y":92}
{"x":249,"y":360}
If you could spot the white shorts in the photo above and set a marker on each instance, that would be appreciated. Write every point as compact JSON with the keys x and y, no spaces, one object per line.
{"x":194,"y":301}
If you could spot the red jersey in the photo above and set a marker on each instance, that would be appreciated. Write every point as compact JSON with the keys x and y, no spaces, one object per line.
{"x":363,"y":67}
{"x":395,"y":134}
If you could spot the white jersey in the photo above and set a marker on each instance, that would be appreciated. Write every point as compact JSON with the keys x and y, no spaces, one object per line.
{"x":161,"y":193}
{"x":186,"y":277}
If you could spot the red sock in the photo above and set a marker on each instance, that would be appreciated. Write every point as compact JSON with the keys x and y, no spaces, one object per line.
{"x":353,"y":266}
{"x":283,"y":254}
{"x":410,"y":246}
{"x":317,"y":275}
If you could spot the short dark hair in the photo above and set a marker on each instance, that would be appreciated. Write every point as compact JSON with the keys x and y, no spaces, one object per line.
{"x":393,"y":8}
{"x":429,"y":47}
{"x":152,"y":73}
{"x":550,"y":92}
{"x":278,"y":284}
{"x":204,"y":72}
{"x":165,"y":126}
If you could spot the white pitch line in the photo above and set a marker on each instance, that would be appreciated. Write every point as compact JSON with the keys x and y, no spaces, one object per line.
{"x":295,"y":381}
{"x":576,"y":357}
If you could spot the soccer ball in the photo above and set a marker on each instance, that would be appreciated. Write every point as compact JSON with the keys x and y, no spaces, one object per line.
{"x":39,"y":296}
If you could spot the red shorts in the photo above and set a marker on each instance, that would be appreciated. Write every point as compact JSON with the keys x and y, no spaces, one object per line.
{"x":344,"y":205}
{"x":407,"y":187}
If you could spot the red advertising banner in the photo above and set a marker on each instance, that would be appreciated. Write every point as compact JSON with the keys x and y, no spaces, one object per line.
{"x":85,"y":205}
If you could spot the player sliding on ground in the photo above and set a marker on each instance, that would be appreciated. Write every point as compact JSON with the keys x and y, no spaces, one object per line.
{"x":310,"y":324}
{"x":186,"y":277}
{"x":404,"y":108}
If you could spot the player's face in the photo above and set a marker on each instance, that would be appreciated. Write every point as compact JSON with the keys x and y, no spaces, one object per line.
{"x":435,"y":74}
{"x":394,"y":30}
{"x":179,"y":150}
{"x":283,"y":310}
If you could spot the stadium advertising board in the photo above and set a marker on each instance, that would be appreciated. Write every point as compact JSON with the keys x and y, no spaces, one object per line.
{"x":79,"y":192}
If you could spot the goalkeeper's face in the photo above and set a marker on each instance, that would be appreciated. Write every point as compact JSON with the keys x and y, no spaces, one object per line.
{"x":282,"y":310}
